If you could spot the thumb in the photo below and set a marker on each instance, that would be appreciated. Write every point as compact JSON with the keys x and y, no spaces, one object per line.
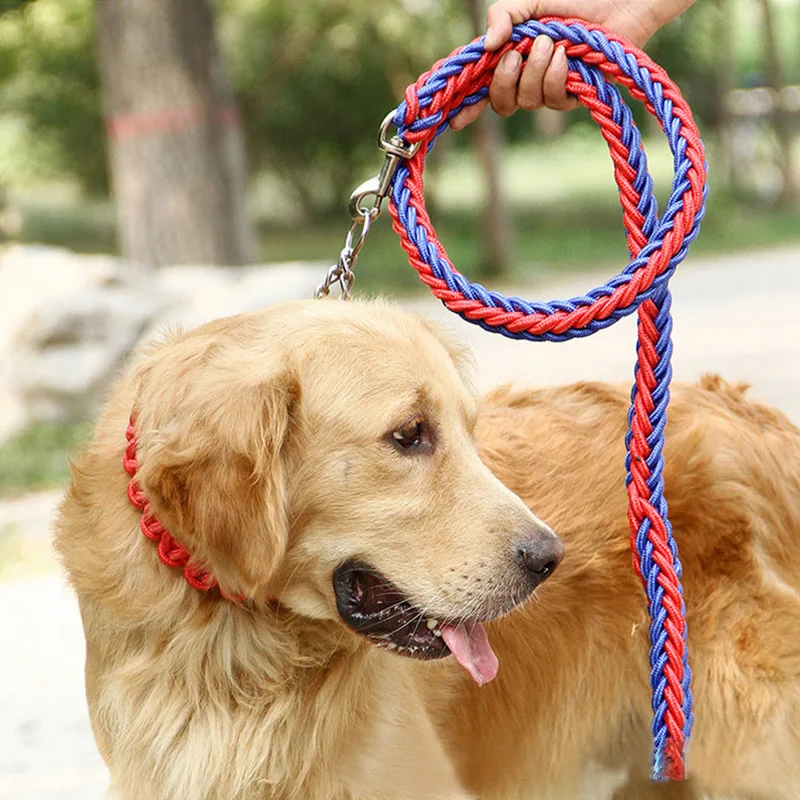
{"x":503,"y":15}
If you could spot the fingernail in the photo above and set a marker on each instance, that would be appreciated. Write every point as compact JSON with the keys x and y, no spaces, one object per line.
{"x":492,"y":39}
{"x":560,"y":54}
{"x":510,"y":62}
{"x":542,"y":47}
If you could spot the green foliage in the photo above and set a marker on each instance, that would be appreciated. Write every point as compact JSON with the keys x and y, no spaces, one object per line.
{"x":315,"y":79}
{"x":12,"y":5}
{"x":36,"y":458}
{"x":688,"y":50}
{"x":49,"y":82}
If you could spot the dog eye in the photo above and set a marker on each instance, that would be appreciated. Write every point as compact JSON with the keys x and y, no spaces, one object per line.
{"x":414,"y":435}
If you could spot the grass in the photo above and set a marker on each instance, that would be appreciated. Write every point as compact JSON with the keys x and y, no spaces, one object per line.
{"x":560,"y":196}
{"x":566,"y":236}
{"x":37,"y":457}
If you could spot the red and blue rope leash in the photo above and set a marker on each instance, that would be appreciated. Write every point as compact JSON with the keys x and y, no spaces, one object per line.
{"x":657,"y":244}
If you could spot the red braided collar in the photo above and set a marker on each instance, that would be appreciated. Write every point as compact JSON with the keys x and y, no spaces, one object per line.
{"x":170,"y":553}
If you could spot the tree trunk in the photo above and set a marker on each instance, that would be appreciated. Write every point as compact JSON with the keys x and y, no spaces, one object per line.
{"x":489,"y":141}
{"x":781,"y":119}
{"x":175,"y":143}
{"x":724,"y":84}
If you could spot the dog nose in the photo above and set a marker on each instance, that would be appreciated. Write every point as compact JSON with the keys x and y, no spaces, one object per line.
{"x":539,"y":555}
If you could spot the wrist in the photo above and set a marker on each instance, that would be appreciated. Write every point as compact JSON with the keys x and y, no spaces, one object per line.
{"x":663,"y":12}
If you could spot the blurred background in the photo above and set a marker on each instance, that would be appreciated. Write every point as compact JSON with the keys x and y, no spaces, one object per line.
{"x":170,"y":161}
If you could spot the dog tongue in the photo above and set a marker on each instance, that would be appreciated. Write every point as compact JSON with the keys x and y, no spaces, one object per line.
{"x":471,"y":648}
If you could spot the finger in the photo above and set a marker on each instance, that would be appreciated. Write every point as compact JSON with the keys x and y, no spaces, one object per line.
{"x":468,"y":115}
{"x":502,"y":16}
{"x":503,"y":88}
{"x":555,"y":83}
{"x":498,"y":27}
{"x":530,"y":93}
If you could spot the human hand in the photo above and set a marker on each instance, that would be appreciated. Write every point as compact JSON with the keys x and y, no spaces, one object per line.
{"x":542,"y":80}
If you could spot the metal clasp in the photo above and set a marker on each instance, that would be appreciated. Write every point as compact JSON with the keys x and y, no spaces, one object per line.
{"x":378,"y":187}
{"x":342,"y":271}
{"x":363,"y":213}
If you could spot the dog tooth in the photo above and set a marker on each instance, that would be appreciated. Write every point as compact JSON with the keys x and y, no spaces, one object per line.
{"x":438,"y":633}
{"x":432,"y":623}
{"x":391,"y":646}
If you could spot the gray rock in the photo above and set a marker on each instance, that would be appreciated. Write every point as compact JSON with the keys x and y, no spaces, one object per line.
{"x":68,"y":321}
{"x":71,"y":349}
{"x":203,"y":293}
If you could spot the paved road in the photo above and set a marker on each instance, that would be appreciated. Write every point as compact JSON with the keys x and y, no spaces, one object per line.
{"x":738,"y":316}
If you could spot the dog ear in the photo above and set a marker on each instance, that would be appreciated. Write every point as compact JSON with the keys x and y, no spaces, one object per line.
{"x":212,"y":467}
{"x":459,"y":351}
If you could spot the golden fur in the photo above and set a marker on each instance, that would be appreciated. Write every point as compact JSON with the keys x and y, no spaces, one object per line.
{"x":262,"y":448}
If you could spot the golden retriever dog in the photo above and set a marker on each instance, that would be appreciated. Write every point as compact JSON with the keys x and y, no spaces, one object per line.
{"x":382,"y":628}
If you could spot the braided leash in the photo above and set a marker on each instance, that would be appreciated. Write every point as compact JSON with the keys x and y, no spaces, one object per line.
{"x":656,"y":244}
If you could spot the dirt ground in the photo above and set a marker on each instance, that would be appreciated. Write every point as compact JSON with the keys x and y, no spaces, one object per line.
{"x":735,"y":315}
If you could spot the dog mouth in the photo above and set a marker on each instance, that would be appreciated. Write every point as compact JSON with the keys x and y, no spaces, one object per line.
{"x":372,"y":606}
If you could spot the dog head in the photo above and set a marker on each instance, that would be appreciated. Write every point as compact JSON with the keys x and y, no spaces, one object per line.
{"x":322,"y":452}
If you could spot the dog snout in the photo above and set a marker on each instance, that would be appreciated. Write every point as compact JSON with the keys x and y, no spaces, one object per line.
{"x":539,"y":553}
